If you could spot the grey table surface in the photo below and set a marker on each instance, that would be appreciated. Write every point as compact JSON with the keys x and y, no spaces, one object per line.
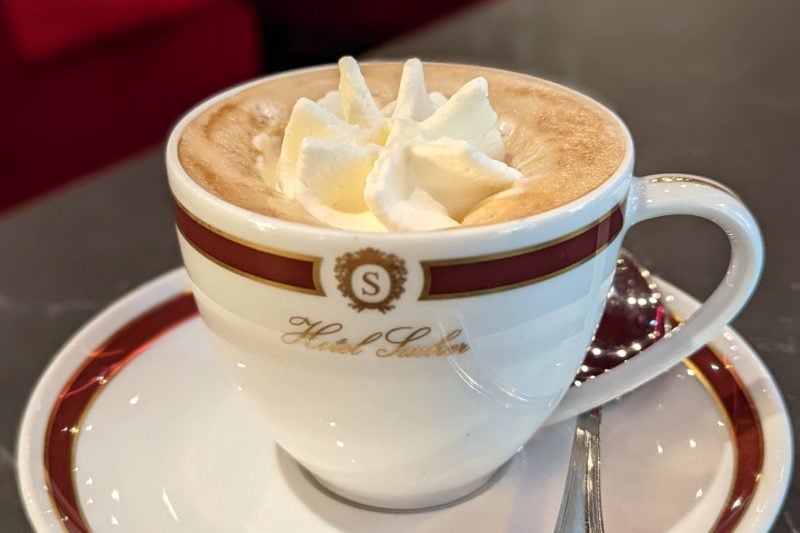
{"x":711,"y":88}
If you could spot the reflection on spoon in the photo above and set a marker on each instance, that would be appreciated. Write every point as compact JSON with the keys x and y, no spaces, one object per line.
{"x":634,"y":318}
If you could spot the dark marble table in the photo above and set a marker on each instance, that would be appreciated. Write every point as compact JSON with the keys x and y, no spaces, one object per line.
{"x":709,"y":87}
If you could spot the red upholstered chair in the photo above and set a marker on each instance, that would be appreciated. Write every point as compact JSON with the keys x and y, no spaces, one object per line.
{"x":86,"y":83}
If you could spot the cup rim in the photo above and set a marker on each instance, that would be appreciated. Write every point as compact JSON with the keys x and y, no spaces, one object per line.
{"x":176,"y":171}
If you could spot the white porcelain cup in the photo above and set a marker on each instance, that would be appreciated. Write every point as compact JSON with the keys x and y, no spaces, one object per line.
{"x":403,"y":369}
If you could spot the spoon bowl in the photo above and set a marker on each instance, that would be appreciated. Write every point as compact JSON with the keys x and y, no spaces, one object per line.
{"x":634,"y":318}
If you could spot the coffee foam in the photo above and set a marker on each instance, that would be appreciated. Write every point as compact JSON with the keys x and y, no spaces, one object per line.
{"x":564,"y":144}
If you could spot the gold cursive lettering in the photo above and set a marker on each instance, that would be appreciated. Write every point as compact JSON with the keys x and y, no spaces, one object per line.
{"x":314,"y":330}
{"x":403,"y":346}
{"x":311,"y":335}
{"x":403,"y":341}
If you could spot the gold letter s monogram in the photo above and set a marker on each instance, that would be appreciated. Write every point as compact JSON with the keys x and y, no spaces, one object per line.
{"x":370,"y":279}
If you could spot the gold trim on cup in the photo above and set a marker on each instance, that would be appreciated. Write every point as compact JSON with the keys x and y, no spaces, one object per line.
{"x":694,"y":181}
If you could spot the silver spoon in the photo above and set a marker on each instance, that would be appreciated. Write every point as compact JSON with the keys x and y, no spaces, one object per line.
{"x":634,"y":318}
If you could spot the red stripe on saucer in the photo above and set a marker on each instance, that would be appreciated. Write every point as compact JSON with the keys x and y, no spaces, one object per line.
{"x":745,"y":427}
{"x":86,"y":383}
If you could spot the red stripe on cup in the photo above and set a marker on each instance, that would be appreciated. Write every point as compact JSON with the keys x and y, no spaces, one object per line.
{"x":489,"y":273}
{"x":280,"y":268}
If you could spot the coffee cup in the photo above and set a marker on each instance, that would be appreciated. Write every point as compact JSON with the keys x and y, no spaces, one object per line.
{"x":403,"y":369}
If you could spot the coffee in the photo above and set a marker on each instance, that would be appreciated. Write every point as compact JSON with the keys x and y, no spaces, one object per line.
{"x":564,"y":144}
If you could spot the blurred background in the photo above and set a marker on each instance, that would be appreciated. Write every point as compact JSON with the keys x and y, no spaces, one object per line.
{"x":87,"y":83}
{"x":90,"y":88}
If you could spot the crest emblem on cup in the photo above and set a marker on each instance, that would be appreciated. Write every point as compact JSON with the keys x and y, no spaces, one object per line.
{"x":370,"y":279}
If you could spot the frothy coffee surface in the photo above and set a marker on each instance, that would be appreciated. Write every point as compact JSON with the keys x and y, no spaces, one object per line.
{"x":564,"y":144}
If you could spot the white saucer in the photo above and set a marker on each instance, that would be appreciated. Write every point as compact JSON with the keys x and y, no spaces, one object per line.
{"x":163,"y":441}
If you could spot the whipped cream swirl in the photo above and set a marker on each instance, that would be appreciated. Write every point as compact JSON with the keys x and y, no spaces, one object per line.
{"x":422,"y":163}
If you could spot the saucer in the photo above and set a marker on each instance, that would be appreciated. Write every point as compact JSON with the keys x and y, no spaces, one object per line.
{"x":133,"y":427}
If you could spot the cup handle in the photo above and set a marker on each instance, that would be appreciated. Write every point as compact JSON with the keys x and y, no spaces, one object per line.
{"x":680,"y":194}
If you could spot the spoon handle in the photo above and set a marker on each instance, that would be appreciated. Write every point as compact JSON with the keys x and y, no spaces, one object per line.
{"x":581,"y":507}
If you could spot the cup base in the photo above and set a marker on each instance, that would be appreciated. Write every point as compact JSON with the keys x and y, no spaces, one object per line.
{"x":414,"y":502}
